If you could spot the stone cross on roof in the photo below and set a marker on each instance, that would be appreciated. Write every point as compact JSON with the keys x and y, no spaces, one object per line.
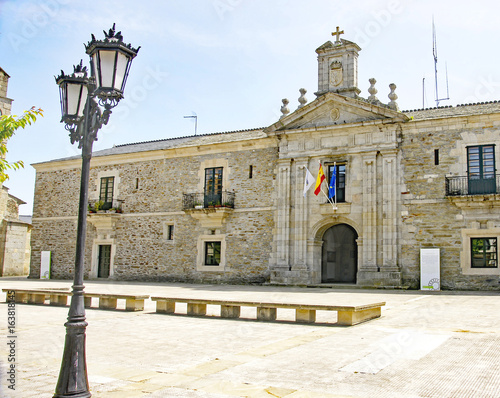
{"x":337,"y":33}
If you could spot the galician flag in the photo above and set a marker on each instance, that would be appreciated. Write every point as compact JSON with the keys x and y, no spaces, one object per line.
{"x":308,"y":182}
{"x":319,"y":180}
{"x":333,"y":180}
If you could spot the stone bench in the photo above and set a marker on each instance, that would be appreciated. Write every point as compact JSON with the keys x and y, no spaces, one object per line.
{"x":38,"y":296}
{"x":305,"y":313}
{"x":107,"y":301}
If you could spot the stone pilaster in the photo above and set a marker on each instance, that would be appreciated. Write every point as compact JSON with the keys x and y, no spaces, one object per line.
{"x":369,"y":214}
{"x":301,"y":216}
{"x":390,"y":202}
{"x":283,"y":215}
{"x":314,"y":247}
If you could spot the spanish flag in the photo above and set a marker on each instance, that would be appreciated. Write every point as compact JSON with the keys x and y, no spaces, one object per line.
{"x":319,"y":180}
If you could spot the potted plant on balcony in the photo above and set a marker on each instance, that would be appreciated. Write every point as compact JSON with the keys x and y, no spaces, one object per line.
{"x":217,"y":204}
{"x":211,"y":205}
{"x":198,"y":205}
{"x":98,"y":207}
{"x":228,"y":204}
{"x":90,"y":209}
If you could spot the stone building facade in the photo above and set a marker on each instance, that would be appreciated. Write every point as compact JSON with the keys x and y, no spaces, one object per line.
{"x":405,"y":181}
{"x":14,"y":232}
{"x":155,"y":228}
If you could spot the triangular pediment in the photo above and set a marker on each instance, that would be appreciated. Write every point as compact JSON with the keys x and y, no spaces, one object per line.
{"x":332,"y":109}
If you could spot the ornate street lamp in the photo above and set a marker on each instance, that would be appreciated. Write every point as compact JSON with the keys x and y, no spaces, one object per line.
{"x":82,"y":98}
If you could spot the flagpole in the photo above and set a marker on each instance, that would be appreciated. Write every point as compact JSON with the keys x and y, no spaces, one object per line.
{"x":334,"y":207}
{"x":335,"y":171}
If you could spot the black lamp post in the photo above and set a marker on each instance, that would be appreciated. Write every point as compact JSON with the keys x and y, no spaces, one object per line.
{"x":86,"y":104}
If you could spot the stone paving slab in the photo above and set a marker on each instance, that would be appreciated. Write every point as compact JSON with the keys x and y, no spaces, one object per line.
{"x":444,"y":344}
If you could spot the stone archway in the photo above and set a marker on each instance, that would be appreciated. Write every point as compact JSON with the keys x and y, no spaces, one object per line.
{"x":339,"y":260}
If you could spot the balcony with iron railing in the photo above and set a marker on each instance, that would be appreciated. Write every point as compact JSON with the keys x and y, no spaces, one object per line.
{"x":211,"y":210}
{"x":99,"y":206}
{"x":224,"y":199}
{"x":467,"y":185}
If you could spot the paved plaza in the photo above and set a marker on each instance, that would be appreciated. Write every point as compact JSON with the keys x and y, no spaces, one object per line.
{"x":432,"y":344}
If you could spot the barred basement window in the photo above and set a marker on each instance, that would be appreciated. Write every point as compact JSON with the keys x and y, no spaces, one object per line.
{"x":484,"y":253}
{"x":212,"y":253}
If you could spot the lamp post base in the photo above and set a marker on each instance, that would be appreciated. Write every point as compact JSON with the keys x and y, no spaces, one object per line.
{"x":73,"y":380}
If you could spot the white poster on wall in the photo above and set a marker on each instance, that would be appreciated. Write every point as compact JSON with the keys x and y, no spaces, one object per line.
{"x":45,"y":265}
{"x":430,"y":269}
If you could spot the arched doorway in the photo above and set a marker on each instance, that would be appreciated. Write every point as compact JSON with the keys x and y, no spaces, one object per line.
{"x":340,"y":255}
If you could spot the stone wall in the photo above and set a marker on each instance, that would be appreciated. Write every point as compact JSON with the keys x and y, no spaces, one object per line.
{"x":430,"y":218}
{"x":152,"y":194}
{"x":15,"y":249}
{"x":5,"y":103}
{"x":59,"y":237}
{"x":57,"y":193}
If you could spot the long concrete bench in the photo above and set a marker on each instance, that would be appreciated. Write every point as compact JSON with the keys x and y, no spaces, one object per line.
{"x":107,"y":301}
{"x":266,"y":311}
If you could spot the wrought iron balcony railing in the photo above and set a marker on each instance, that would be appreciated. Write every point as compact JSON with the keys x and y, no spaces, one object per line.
{"x":466,"y":185}
{"x":99,"y":206}
{"x":206,"y":201}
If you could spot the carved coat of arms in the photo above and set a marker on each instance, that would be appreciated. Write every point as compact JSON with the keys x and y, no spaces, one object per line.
{"x":336,"y":74}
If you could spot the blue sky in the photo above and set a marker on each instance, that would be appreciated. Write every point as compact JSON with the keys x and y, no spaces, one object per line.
{"x":232,"y":61}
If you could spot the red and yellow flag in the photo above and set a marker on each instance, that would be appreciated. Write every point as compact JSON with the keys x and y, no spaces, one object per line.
{"x":319,"y":180}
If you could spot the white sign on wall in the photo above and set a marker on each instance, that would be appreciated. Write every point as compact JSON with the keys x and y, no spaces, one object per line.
{"x":429,"y":269}
{"x":45,"y":265}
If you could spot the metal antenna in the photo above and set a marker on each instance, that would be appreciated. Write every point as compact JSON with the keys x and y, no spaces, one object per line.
{"x":423,"y":92}
{"x":195,"y":117}
{"x":434,"y":53}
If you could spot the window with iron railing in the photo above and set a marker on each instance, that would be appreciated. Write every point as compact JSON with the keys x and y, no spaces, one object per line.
{"x":481,"y":169}
{"x":199,"y":201}
{"x":106,"y":192}
{"x":481,"y":178}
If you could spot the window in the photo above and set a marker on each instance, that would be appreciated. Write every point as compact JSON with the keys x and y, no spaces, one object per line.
{"x":339,"y":181}
{"x":436,"y":157}
{"x":170,"y":234}
{"x":481,"y":169}
{"x":212,"y":253}
{"x":106,"y":192}
{"x":484,"y":253}
{"x":211,"y":256}
{"x":250,"y":172}
{"x":213,"y":186}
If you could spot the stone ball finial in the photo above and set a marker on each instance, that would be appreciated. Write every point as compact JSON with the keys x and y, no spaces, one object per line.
{"x":372,"y":90}
{"x":302,"y":98}
{"x":284,"y":109}
{"x":393,"y":97}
